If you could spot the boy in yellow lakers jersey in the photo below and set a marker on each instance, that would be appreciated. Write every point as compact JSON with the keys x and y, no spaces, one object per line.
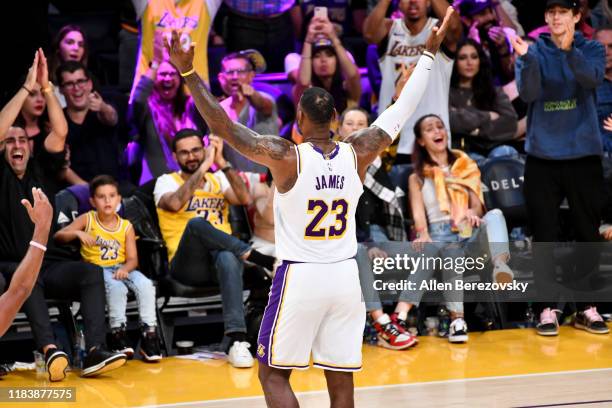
{"x":109,"y":241}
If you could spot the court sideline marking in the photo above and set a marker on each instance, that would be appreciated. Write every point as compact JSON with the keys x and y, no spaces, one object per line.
{"x":380,"y":387}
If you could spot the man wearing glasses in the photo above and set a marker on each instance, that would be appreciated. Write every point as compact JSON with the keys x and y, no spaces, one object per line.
{"x":92,"y":125}
{"x":193,"y":212}
{"x":253,"y":109}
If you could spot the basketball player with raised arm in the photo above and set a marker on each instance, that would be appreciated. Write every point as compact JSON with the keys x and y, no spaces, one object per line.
{"x":315,"y":305}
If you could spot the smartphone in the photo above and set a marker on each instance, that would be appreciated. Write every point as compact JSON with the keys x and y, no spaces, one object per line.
{"x":320,"y":12}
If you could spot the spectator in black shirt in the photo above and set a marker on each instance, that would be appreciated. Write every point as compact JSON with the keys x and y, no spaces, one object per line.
{"x":59,"y":277}
{"x":92,"y":124}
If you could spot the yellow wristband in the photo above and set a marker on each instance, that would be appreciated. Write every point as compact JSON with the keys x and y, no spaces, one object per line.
{"x":48,"y":89}
{"x":185,"y":74}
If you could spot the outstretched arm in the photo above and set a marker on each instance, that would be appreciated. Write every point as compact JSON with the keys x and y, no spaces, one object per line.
{"x":271,"y":151}
{"x":26,"y":273}
{"x":369,"y":143}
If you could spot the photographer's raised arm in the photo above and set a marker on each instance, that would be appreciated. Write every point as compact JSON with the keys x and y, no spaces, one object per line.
{"x":271,"y":151}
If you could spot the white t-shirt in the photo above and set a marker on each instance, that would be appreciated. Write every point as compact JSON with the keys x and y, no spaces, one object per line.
{"x":405,"y":48}
{"x":167,"y":184}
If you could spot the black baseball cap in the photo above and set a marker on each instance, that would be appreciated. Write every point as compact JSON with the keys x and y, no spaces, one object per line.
{"x":568,"y":4}
{"x":468,"y":8}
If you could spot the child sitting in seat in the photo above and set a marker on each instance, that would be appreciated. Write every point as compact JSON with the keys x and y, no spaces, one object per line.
{"x":109,"y":241}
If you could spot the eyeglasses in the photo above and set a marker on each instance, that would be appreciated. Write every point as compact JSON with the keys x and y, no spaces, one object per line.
{"x":238,"y":72}
{"x":186,"y":153}
{"x":171,"y":74}
{"x":74,"y":84}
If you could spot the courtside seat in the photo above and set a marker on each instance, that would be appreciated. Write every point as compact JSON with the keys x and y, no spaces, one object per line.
{"x":502,"y":180}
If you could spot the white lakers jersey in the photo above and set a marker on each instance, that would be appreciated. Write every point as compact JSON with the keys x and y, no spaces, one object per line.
{"x":405,"y":48}
{"x":315,"y":220}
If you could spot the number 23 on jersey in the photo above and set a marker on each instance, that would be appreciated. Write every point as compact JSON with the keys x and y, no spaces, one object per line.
{"x":321,"y":210}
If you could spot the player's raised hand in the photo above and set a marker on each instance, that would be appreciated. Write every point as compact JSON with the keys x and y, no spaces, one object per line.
{"x":438,"y":33}
{"x":181,"y":59}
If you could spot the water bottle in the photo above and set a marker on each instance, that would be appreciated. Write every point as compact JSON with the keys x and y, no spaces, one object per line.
{"x":529,"y":316}
{"x":79,"y":350}
{"x":373,"y":335}
{"x":443,"y":321}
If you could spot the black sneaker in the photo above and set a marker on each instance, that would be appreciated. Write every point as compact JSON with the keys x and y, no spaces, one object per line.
{"x":548,"y":324}
{"x":591,"y":321}
{"x":150,"y":348}
{"x":100,"y":361}
{"x":120,"y":342}
{"x":56,"y":362}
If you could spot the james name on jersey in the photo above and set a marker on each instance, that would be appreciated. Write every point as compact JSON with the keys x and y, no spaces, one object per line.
{"x":329,"y":181}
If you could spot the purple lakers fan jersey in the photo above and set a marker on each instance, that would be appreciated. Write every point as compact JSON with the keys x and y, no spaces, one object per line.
{"x":315,"y":221}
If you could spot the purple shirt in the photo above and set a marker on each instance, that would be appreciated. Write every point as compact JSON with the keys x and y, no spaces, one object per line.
{"x":260,"y":8}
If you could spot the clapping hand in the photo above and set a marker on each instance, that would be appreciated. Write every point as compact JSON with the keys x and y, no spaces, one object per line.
{"x":519,"y":45}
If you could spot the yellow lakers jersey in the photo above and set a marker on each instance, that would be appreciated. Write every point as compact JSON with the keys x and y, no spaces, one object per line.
{"x":190,"y":18}
{"x":208,"y":203}
{"x":110,"y":245}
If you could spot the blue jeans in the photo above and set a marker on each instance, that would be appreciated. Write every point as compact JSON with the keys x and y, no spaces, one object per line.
{"x":116,"y":296}
{"x":491,"y":238}
{"x":202,"y":245}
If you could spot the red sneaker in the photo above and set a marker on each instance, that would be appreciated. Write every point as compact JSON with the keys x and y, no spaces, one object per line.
{"x":392,"y":336}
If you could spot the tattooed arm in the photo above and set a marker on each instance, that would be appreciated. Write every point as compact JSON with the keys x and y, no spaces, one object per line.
{"x":273,"y":152}
{"x":368,"y":144}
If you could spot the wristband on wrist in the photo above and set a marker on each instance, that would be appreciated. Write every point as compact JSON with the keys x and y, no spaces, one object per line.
{"x":429,"y":54}
{"x":227,"y":167}
{"x":48,"y":88}
{"x":39,"y":246}
{"x":27,"y":90}
{"x":186,"y":74}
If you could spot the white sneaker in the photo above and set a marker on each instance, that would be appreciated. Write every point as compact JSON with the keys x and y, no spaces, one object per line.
{"x":457,"y":332}
{"x":239,"y":355}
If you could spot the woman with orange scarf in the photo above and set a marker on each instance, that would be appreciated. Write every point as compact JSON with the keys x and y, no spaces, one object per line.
{"x":447,"y":207}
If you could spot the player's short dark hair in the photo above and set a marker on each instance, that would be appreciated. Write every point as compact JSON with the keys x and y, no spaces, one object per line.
{"x":101,"y":180}
{"x":184,"y":134}
{"x":70,"y":67}
{"x":318,"y":105}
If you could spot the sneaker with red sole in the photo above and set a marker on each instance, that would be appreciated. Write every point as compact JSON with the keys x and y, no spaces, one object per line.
{"x":392,"y":336}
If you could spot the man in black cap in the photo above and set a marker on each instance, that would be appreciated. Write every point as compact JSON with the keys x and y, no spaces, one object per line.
{"x":558,"y":76}
{"x":244,"y":104}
